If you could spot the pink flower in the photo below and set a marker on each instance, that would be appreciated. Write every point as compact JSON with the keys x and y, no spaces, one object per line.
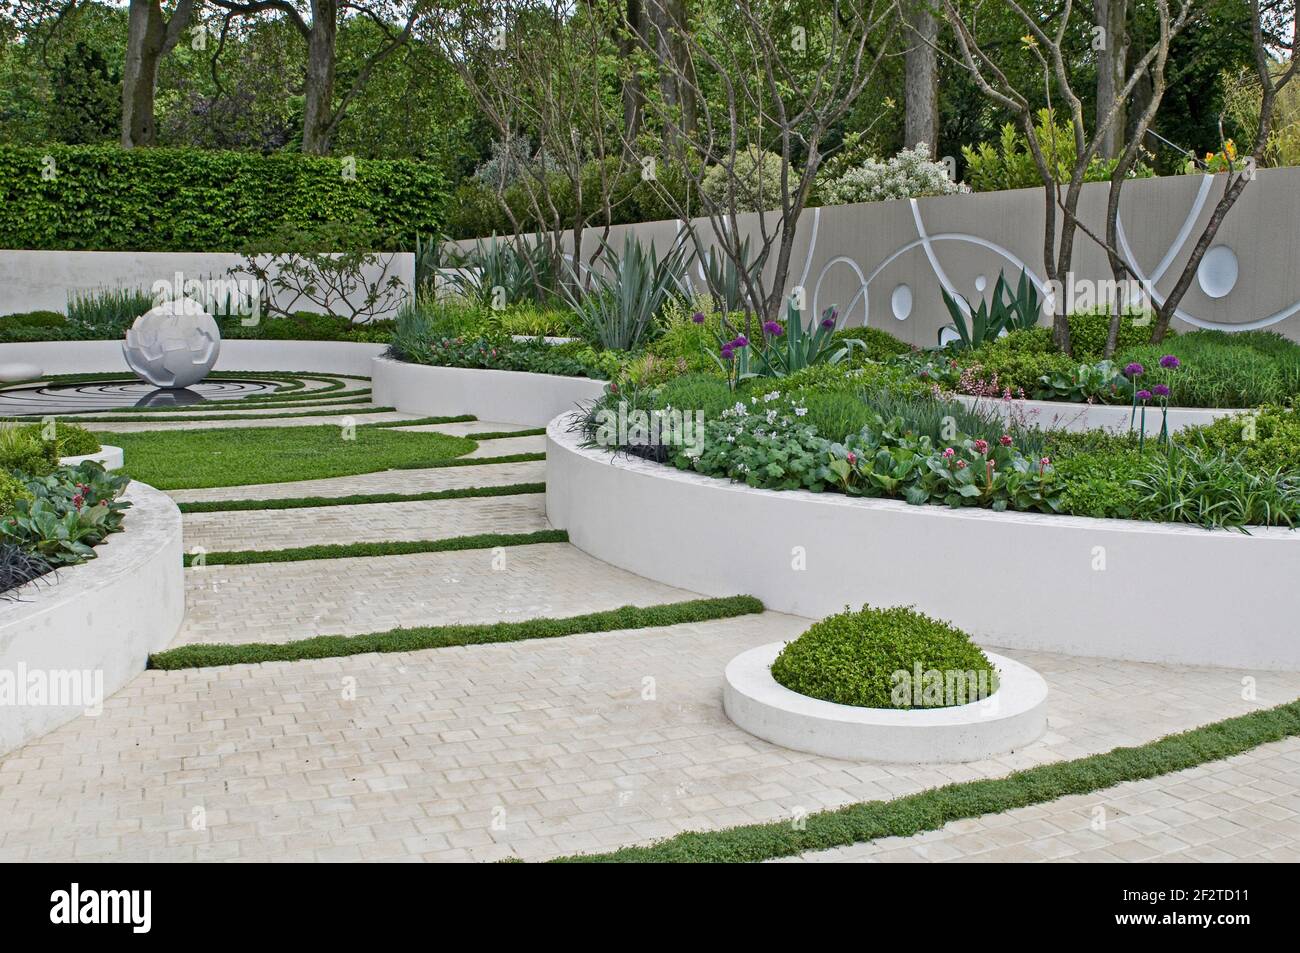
{"x":949,"y":453}
{"x":961,"y":464}
{"x":852,"y":458}
{"x":78,"y":500}
{"x":1005,"y":440}
{"x":981,"y":446}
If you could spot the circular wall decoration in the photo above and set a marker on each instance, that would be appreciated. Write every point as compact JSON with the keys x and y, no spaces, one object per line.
{"x":900,"y":302}
{"x":1217,"y":273}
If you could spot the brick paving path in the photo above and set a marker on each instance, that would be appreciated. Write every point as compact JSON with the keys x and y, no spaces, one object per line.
{"x":1246,"y":808}
{"x":548,"y":747}
{"x":531,"y":749}
{"x":280,"y":602}
{"x":384,"y":481}
{"x":372,"y":522}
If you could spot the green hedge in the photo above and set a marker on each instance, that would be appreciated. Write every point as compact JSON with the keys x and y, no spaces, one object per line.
{"x":103,"y":198}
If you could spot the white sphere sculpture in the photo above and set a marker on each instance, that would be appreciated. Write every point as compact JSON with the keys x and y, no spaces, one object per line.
{"x":173,"y":345}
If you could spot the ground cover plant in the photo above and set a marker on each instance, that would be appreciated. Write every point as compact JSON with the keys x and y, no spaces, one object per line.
{"x":883,"y":658}
{"x":185,"y":459}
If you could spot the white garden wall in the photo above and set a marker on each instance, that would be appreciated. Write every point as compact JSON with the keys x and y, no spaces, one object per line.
{"x":502,"y":396}
{"x":99,"y":620}
{"x":1108,"y":588}
{"x":43,"y":280}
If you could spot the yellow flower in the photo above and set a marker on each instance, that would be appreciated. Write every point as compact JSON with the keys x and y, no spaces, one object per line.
{"x":1028,"y":40}
{"x":1231,"y":148}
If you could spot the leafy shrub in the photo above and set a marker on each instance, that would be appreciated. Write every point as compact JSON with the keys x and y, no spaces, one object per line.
{"x":704,"y":392}
{"x":34,"y":319}
{"x":109,"y":199}
{"x":1010,"y":165}
{"x":71,"y":511}
{"x":1089,"y":329}
{"x":23,"y":449}
{"x":869,"y":659}
{"x":755,"y":179}
{"x":531,"y":320}
{"x":1266,"y":441}
{"x":1218,"y":369}
{"x":108,"y":312}
{"x":420,"y":347}
{"x":908,"y":175}
{"x":1018,"y":360}
{"x":12,"y":490}
{"x":1100,"y":483}
{"x":682,"y":337}
{"x":880,"y":345}
{"x":73,"y":440}
{"x":309,"y":326}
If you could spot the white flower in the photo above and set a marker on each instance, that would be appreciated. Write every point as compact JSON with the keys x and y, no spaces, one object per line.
{"x":800,"y":411}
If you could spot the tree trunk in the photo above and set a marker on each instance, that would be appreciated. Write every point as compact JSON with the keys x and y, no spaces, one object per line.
{"x":921,"y":78}
{"x":148,"y":39}
{"x":666,"y":21}
{"x":627,"y":44}
{"x":1111,"y":17}
{"x":318,"y":107}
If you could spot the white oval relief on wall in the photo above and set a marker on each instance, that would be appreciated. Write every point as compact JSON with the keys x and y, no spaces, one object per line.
{"x":900,"y":302}
{"x":1217,"y":273}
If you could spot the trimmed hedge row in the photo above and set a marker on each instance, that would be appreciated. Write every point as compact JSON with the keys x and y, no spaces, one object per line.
{"x":103,"y":198}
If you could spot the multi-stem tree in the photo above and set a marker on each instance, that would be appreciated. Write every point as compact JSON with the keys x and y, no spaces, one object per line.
{"x":766,"y":77}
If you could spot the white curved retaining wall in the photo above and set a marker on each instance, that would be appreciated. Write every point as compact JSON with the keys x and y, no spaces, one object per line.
{"x":97,"y":357}
{"x":103,"y":617}
{"x":512,"y":397}
{"x":1060,"y":415}
{"x":1119,"y":589}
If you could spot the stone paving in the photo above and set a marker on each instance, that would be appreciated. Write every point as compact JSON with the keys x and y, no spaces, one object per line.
{"x":548,"y":747}
{"x":1245,"y":808}
{"x":280,"y":602}
{"x":365,"y":523}
{"x":428,"y":480}
{"x":530,"y":749}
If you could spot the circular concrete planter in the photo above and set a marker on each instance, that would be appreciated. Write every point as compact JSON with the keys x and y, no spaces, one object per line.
{"x":1064,"y":415}
{"x":110,"y":458}
{"x":512,"y":397}
{"x":1123,"y":589}
{"x":1010,"y":718}
{"x":89,"y":629}
{"x":91,"y":357}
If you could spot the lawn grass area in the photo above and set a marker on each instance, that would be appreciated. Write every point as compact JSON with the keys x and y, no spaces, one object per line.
{"x":194,"y":459}
{"x":442,"y":636}
{"x":932,"y":809}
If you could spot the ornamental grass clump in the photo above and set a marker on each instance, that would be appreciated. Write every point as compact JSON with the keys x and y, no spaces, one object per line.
{"x":886,"y":658}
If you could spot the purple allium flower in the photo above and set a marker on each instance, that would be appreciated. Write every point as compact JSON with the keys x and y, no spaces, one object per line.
{"x":1134,"y":370}
{"x":1160,"y":390}
{"x":698,"y":317}
{"x":1144,"y":395}
{"x":773,"y":329}
{"x":1170,"y":363}
{"x":828,"y":323}
{"x":741,"y":341}
{"x":726,"y":352}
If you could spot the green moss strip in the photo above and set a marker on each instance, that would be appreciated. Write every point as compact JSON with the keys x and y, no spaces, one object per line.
{"x":475,"y":461}
{"x":443,"y":636}
{"x":932,"y":809}
{"x":356,"y":499}
{"x":502,"y":434}
{"x":247,"y":557}
{"x":327,"y":412}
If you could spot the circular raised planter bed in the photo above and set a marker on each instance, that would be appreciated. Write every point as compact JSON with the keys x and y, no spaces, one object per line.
{"x":513,"y":397}
{"x":1063,"y":415}
{"x":1123,"y":589}
{"x":1010,"y":718}
{"x":110,"y":458}
{"x":90,"y":628}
